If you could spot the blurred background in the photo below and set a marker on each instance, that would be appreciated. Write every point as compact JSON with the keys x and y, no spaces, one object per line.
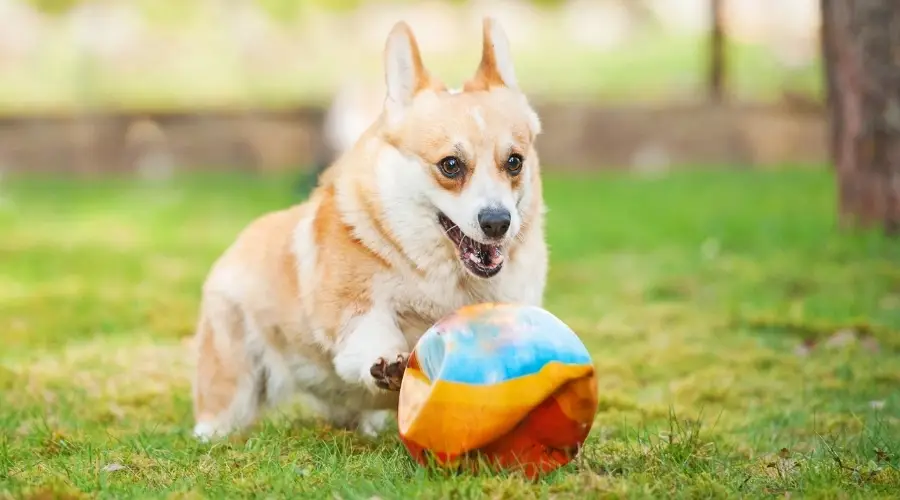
{"x":157,"y":86}
{"x":695,"y":181}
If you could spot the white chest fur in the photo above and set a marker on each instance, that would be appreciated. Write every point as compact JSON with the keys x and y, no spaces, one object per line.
{"x":420,"y":301}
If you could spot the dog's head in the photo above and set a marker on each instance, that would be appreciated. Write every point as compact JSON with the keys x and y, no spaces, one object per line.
{"x":461,"y":166}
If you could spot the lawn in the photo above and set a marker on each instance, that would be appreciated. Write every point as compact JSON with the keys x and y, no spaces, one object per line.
{"x":744,"y":347}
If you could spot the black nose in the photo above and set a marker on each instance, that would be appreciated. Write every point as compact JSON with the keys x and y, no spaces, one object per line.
{"x":494,"y":221}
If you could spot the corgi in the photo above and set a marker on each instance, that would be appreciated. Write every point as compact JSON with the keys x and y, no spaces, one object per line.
{"x":437,"y":205}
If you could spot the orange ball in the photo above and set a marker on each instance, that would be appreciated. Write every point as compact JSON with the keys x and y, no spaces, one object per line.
{"x":504,"y":385}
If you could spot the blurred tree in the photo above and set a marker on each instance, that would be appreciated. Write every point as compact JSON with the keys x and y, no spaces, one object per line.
{"x":716,"y":50}
{"x":54,"y":7}
{"x":861,"y":49}
{"x":169,"y":13}
{"x":281,"y":10}
{"x":290,"y":10}
{"x":642,"y":12}
{"x":547,"y":3}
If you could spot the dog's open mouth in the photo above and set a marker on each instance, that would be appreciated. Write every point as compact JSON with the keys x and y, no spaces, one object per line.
{"x":481,"y":259}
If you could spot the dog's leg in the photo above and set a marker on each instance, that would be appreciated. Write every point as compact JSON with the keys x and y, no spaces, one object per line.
{"x":229,"y":382}
{"x":373,"y":352}
{"x":372,"y":423}
{"x":327,"y":412}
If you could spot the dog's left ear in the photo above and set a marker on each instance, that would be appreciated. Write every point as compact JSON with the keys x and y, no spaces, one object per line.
{"x":496,"y":68}
{"x":404,"y":74}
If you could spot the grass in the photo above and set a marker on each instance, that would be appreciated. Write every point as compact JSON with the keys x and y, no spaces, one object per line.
{"x":744,"y":346}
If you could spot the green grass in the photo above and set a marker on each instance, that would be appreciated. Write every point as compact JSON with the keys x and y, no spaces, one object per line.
{"x":712,"y":303}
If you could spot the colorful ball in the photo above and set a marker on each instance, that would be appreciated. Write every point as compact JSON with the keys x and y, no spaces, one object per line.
{"x":505,"y":385}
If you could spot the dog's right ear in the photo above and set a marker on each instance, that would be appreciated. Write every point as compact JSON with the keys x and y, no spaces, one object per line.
{"x":404,"y":74}
{"x":496,"y":68}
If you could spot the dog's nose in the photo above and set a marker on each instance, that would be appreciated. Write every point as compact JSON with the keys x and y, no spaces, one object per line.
{"x":494,"y":221}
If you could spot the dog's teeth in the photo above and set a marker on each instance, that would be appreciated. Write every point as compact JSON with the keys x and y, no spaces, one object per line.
{"x":474,"y":258}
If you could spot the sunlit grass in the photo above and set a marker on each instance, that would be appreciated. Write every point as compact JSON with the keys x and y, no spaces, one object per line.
{"x":743,"y":345}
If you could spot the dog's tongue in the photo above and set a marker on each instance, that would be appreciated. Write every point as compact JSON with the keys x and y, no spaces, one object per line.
{"x":490,"y":256}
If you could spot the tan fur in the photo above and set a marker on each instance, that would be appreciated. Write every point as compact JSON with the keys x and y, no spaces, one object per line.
{"x":487,"y":75}
{"x":424,"y":80}
{"x":326,"y":297}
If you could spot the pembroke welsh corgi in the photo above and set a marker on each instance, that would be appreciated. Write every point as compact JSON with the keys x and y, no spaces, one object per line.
{"x":437,"y":205}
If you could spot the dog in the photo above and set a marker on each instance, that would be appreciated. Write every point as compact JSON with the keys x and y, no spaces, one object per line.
{"x":437,"y":205}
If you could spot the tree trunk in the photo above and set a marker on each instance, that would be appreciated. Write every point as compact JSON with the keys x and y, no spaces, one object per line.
{"x":861,"y":52}
{"x":716,"y":50}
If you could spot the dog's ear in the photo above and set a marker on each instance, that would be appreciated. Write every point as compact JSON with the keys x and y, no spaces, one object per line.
{"x":404,"y":74}
{"x":496,"y":68}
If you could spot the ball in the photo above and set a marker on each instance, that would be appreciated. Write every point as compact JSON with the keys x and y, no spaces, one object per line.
{"x":505,"y":386}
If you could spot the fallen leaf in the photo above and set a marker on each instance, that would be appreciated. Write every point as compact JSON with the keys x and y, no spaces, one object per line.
{"x":802,"y":350}
{"x":871,"y":344}
{"x":113,"y":467}
{"x":841,"y":338}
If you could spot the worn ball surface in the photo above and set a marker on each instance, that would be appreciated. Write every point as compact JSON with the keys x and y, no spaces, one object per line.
{"x":509,"y":386}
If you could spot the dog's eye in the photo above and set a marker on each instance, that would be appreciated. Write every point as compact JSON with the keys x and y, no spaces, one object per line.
{"x":514,"y":164}
{"x":450,"y":166}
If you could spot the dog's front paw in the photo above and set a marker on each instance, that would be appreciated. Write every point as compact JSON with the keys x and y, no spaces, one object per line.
{"x":387,"y":375}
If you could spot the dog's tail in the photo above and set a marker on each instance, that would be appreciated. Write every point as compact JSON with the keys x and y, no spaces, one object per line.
{"x":354,"y":106}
